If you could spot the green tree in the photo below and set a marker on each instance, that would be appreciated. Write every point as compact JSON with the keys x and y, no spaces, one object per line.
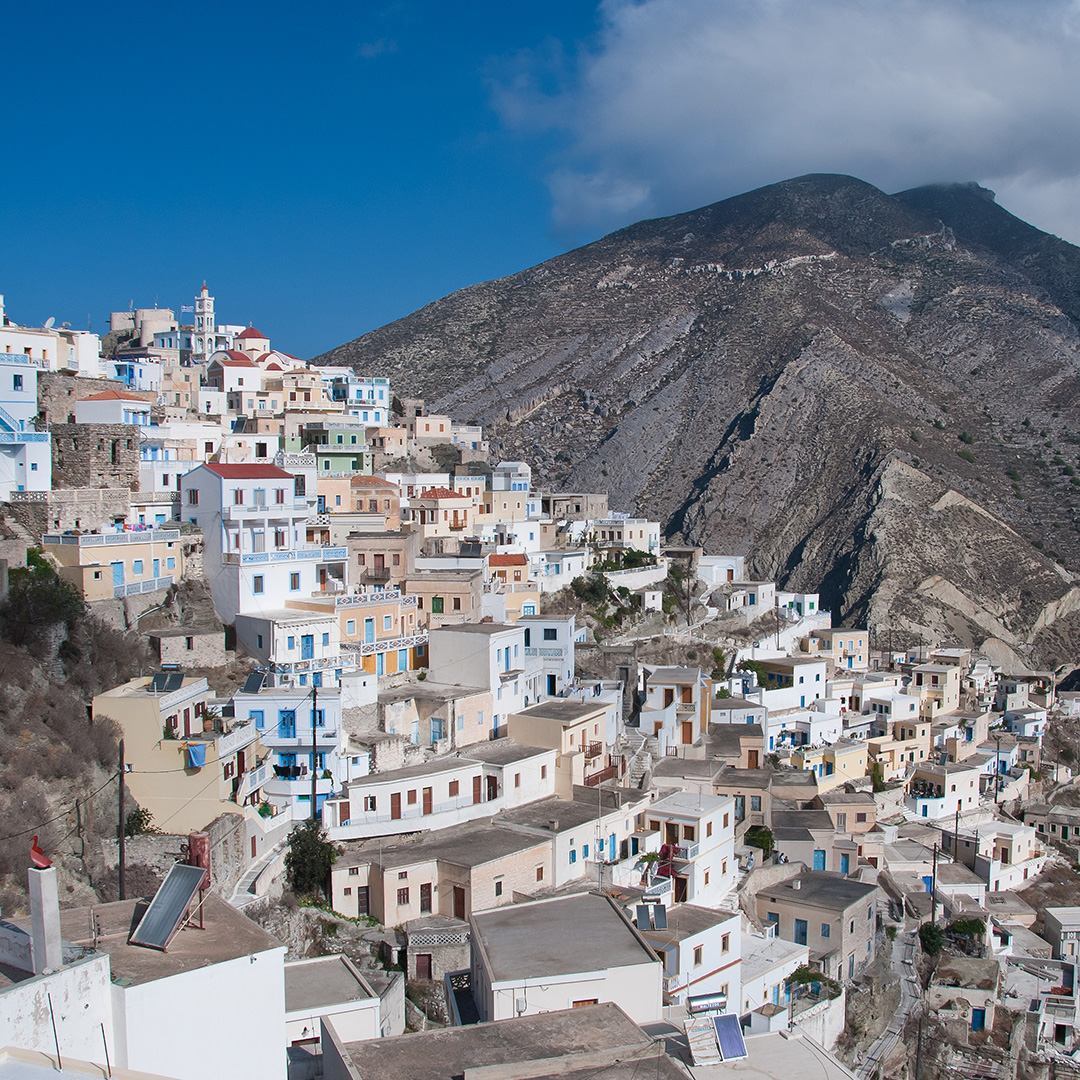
{"x":140,"y":822}
{"x":37,"y":600}
{"x":932,"y":938}
{"x":309,"y":858}
{"x":758,"y":668}
{"x":760,"y":836}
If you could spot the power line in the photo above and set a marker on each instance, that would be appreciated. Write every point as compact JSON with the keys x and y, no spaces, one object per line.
{"x":64,"y":814}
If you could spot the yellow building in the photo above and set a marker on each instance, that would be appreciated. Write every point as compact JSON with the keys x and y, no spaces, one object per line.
{"x":187,"y":765}
{"x":106,"y":565}
{"x":833,"y":765}
{"x":577,"y":730}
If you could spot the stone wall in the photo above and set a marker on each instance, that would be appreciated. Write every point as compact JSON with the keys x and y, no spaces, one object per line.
{"x":57,"y":511}
{"x":95,"y":456}
{"x":190,"y":648}
{"x":58,"y":392}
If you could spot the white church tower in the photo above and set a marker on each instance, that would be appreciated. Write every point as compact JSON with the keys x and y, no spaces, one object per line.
{"x":202,"y":341}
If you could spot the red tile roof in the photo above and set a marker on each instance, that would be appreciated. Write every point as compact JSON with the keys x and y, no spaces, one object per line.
{"x":249,"y":472}
{"x":235,"y":359}
{"x":513,"y":559}
{"x":441,"y":493}
{"x":372,"y":481}
{"x":115,"y":395}
{"x":250,"y":333}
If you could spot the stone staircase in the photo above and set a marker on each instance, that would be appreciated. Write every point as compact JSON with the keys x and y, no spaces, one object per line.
{"x":642,"y":762}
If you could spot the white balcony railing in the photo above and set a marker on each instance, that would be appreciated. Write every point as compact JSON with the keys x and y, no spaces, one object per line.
{"x":252,"y":780}
{"x":237,"y":739}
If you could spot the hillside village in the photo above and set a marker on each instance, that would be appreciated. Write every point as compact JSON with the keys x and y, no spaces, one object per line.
{"x":592,"y":796}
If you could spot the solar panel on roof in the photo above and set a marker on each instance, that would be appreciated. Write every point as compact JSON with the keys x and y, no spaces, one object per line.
{"x":643,"y":921}
{"x":659,"y":915}
{"x":162,"y":918}
{"x":730,"y":1037}
{"x":173,"y":682}
{"x":254,"y":682}
{"x":157,"y":683}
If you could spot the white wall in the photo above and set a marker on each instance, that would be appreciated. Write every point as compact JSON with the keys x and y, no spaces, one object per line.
{"x":227,"y":1019}
{"x":81,"y":1002}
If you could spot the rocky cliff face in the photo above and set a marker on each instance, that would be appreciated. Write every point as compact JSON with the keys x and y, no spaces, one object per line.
{"x":868,"y":393}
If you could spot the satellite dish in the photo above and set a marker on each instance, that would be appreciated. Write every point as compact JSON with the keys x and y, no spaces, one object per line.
{"x":49,"y":322}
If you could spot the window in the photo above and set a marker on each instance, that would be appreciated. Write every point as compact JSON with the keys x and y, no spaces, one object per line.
{"x":708,"y":828}
{"x":457,"y":603}
{"x":170,"y":563}
{"x":137,"y":566}
{"x":279,"y":496}
{"x":725,"y":821}
{"x":354,"y":871}
{"x":16,"y":381}
{"x":699,"y":955}
{"x":539,"y":873}
{"x":193,"y":497}
{"x":257,"y":716}
{"x":369,"y":802}
{"x":257,"y":584}
{"x":870,"y":912}
{"x":707,"y":874}
{"x":860,"y":817}
{"x":454,"y":788}
{"x":725,"y":943}
{"x":291,"y":642}
{"x":350,"y":627}
{"x":551,"y":634}
{"x":402,"y":897}
{"x":517,"y":779}
{"x":825,"y":929}
{"x":498,"y":887}
{"x":755,"y":802}
{"x":689,"y":833}
{"x":584,"y":851}
{"x":436,"y":605}
{"x":348,"y":891}
{"x":573,"y":856}
{"x":387,"y":622}
{"x":543,"y":772}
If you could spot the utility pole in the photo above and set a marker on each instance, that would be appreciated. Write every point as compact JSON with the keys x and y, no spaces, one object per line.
{"x":314,"y":773}
{"x":120,"y":827}
{"x":933,"y":889}
{"x":956,"y":836}
{"x":997,"y":771}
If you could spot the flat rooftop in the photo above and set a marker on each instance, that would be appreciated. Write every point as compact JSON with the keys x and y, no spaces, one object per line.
{"x":228,"y":935}
{"x":480,"y":629}
{"x":599,"y":1032}
{"x":564,"y":711}
{"x":687,"y":921}
{"x":689,"y":803}
{"x":470,"y":844}
{"x":311,"y":985}
{"x":820,"y":888}
{"x":557,"y":937}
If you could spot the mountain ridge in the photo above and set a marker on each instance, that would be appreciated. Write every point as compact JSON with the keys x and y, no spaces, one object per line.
{"x":747,"y":372}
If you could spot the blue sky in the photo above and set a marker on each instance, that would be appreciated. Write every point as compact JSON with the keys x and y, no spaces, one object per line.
{"x":330,"y":167}
{"x":326,"y":168}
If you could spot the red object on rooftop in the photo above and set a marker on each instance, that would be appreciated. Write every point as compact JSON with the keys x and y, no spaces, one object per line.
{"x":37,"y":856}
{"x":251,"y":332}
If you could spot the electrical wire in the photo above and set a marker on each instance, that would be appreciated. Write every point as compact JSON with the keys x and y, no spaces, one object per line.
{"x":64,"y":814}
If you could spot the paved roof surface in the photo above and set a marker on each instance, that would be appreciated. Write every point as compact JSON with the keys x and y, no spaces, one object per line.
{"x":571,"y":934}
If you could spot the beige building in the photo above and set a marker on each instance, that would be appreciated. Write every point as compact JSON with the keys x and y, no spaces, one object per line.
{"x":833,"y":914}
{"x":446,"y":597}
{"x":938,"y":688}
{"x":576,"y":729}
{"x":107,"y":565}
{"x":187,"y":765}
{"x":848,"y":649}
{"x":470,"y":867}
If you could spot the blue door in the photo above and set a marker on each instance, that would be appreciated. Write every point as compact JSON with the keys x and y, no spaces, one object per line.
{"x":287,"y":723}
{"x":436,"y":729}
{"x":157,"y":568}
{"x":369,"y":631}
{"x":800,"y":931}
{"x":380,"y":664}
{"x":845,"y":863}
{"x":118,"y":573}
{"x":819,"y":861}
{"x":307,"y":647}
{"x":978,"y":1019}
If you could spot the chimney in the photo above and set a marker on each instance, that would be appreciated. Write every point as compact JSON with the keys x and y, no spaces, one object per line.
{"x":553,"y":824}
{"x":796,"y":883}
{"x":46,"y":947}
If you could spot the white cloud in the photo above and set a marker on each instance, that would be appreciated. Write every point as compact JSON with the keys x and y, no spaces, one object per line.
{"x":683,"y":102}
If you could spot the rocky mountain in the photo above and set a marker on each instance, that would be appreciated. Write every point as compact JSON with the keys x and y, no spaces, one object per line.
{"x":872,"y":395}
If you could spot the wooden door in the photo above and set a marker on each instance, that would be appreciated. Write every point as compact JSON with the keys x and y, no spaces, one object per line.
{"x":395,"y":805}
{"x":427,"y":800}
{"x":425,"y":898}
{"x":680,"y":890}
{"x":459,"y":902}
{"x":423,"y":966}
{"x":687,"y":732}
{"x":492,"y":788}
{"x":476,"y":796}
{"x":751,"y":759}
